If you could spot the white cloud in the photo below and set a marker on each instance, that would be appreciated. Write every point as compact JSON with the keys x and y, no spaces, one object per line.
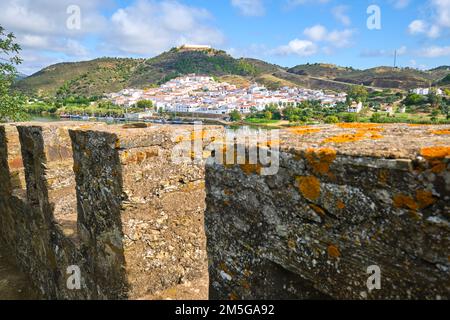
{"x":249,"y":7}
{"x":146,"y":27}
{"x":317,"y":35}
{"x":417,"y":27}
{"x":336,"y":38}
{"x":435,"y":52}
{"x":438,"y":22}
{"x":340,"y":14}
{"x":302,"y":48}
{"x":442,"y":11}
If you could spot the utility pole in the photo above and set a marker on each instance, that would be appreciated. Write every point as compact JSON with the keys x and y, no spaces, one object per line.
{"x":395,"y":59}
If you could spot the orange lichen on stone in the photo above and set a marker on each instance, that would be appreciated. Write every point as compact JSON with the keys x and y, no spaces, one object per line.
{"x":437,"y":152}
{"x":438,"y":167}
{"x":303,"y":130}
{"x":441,"y":132}
{"x":364,"y":131}
{"x":251,"y":168}
{"x":424,"y":198}
{"x":340,"y":205}
{"x":15,"y":163}
{"x":317,"y":210}
{"x":321,"y":159}
{"x":309,"y":187}
{"x":435,"y":156}
{"x":345,"y":138}
{"x":333,"y":251}
{"x":357,"y":125}
{"x":405,"y":202}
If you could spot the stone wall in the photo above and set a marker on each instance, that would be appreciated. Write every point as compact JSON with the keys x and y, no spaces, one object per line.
{"x":345,"y":197}
{"x":109,"y":201}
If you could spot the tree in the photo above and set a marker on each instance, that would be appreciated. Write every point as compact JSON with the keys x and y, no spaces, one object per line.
{"x":358,"y":94}
{"x":434,"y":99}
{"x":144,"y":104}
{"x":10,"y":102}
{"x":445,"y":109}
{"x":331,"y":119}
{"x":268,"y":115}
{"x":235,"y":116}
{"x":434,"y":115}
{"x":413,"y":99}
{"x":376,"y":118}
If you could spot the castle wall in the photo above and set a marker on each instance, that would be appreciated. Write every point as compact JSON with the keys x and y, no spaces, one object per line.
{"x":344,"y":199}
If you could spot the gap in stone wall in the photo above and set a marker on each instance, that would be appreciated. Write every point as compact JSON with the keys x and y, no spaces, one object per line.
{"x":61,"y":181}
{"x":15,"y":163}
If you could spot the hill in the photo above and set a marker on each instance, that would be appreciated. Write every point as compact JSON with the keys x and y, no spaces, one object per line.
{"x":105,"y":75}
{"x":379,"y":77}
{"x":86,"y":78}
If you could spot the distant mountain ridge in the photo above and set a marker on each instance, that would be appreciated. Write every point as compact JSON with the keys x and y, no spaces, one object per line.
{"x":105,"y":75}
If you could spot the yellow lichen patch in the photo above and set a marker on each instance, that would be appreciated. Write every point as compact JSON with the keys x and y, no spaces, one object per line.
{"x":303,"y":130}
{"x":441,"y":132}
{"x":357,"y":125}
{"x":424,"y":198}
{"x":179,"y":139}
{"x":417,"y":124}
{"x":199,"y":135}
{"x":437,"y":152}
{"x":317,"y":210}
{"x":383,"y":176}
{"x":251,"y":168}
{"x":117,"y":144}
{"x":405,"y":202}
{"x":340,"y":205}
{"x":273,"y":143}
{"x":309,"y":187}
{"x":333,"y":251}
{"x":292,"y":244}
{"x":233,"y":296}
{"x":321,"y":159}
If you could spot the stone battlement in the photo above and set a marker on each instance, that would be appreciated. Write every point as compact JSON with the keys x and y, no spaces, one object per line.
{"x":110,"y":200}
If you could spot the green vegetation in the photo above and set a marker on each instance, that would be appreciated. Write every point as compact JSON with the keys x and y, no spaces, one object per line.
{"x":144,"y":104}
{"x":10,"y":101}
{"x":235,"y":116}
{"x":357,"y":94}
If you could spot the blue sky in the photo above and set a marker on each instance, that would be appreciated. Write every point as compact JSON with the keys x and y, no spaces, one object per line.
{"x":286,"y":32}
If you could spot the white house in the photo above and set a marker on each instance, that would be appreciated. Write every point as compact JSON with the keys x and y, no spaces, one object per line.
{"x":355,"y":107}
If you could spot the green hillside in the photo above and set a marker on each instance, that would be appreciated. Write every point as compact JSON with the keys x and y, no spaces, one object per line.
{"x":86,"y":78}
{"x":105,"y":75}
